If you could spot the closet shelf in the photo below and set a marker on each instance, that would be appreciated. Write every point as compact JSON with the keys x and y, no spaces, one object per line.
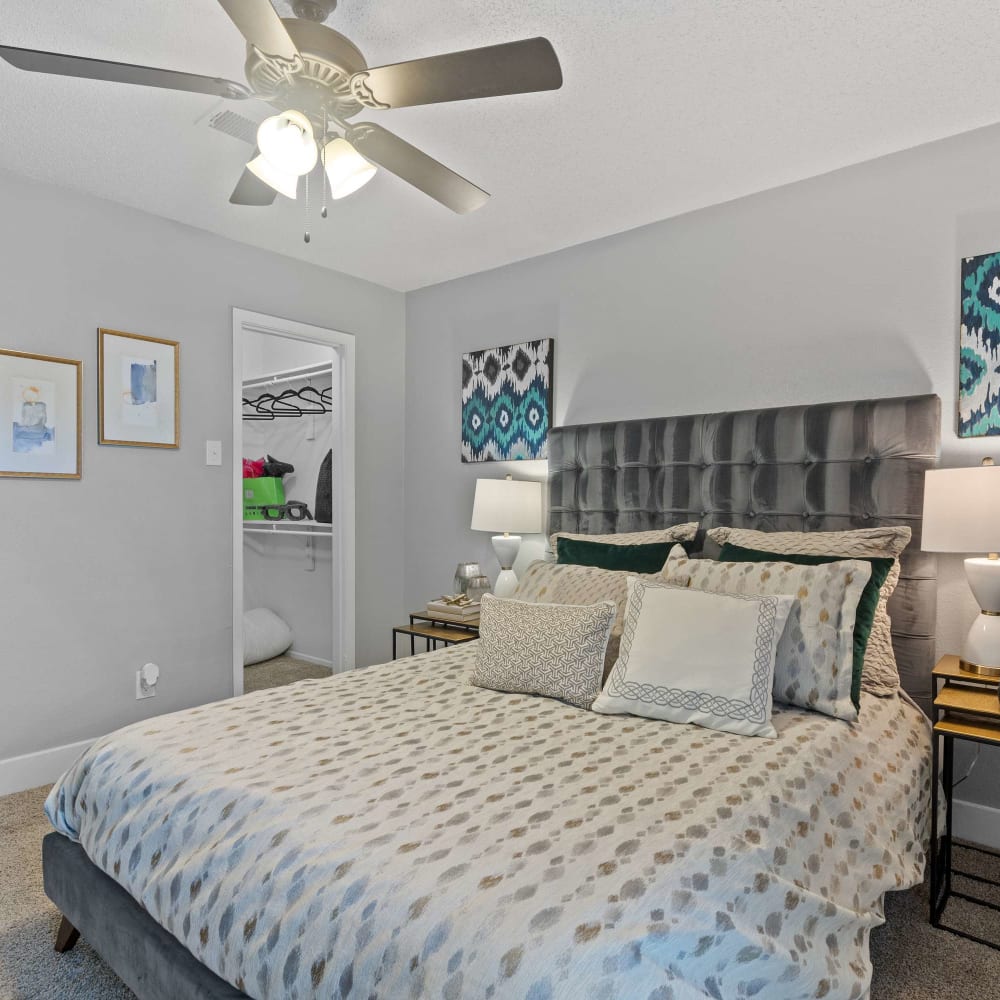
{"x":312,"y":528}
{"x":289,"y":375}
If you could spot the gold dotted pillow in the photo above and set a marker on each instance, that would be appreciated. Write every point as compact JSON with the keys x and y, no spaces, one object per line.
{"x":880,"y":675}
{"x":815,"y":658}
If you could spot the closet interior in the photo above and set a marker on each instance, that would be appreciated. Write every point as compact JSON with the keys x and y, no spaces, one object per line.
{"x":291,"y":601}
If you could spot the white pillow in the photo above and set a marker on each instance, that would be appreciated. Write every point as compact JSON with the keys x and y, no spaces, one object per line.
{"x":691,"y":656}
{"x":555,"y":650}
{"x":265,"y":635}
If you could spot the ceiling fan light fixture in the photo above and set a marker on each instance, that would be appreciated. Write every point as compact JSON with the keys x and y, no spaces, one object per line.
{"x":287,"y":142}
{"x":346,"y":169}
{"x":284,"y":183}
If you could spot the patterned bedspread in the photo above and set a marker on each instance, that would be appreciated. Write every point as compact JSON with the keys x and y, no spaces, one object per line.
{"x":399,"y":833}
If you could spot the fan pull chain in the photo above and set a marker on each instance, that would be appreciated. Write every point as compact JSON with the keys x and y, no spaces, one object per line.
{"x":322,"y":157}
{"x":306,"y":237}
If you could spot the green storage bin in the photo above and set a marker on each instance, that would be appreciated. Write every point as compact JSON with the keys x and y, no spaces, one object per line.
{"x":260,"y":492}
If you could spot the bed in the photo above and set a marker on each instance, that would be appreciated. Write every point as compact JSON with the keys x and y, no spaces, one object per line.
{"x":399,"y":832}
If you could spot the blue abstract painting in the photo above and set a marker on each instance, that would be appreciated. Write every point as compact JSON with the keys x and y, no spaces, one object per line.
{"x":33,"y":430}
{"x":143,"y":382}
{"x":138,"y":396}
{"x":979,"y":346}
{"x":507,"y":402}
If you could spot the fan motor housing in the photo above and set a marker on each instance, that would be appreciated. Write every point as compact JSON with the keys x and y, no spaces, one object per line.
{"x":320,"y":83}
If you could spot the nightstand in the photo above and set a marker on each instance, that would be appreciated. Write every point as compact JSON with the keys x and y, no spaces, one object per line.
{"x":445,"y":631}
{"x":965,"y":708}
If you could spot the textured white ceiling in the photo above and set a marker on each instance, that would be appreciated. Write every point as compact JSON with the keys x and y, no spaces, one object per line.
{"x":667,"y":106}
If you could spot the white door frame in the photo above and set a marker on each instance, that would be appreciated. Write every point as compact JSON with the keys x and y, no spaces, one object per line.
{"x":343,"y":483}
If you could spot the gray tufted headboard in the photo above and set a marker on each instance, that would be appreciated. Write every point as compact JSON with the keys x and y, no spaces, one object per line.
{"x":824,"y":467}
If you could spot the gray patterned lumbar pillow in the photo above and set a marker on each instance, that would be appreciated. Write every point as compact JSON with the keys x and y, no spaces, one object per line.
{"x":692,"y":656}
{"x":556,"y":650}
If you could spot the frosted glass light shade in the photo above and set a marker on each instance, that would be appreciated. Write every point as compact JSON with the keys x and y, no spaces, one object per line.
{"x":507,"y":505}
{"x":962,"y":510}
{"x":346,"y":168}
{"x":286,"y":184}
{"x":286,"y":141}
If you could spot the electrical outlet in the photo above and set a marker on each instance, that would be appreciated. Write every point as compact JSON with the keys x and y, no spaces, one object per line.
{"x":145,"y":681}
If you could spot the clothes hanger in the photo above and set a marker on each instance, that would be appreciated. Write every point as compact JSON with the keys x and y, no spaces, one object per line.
{"x":279,"y":405}
{"x":314,"y":397}
{"x":257,"y":413}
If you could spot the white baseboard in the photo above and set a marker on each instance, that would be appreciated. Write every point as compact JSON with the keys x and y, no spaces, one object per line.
{"x":978,"y":823}
{"x":39,"y":768}
{"x":318,"y":660}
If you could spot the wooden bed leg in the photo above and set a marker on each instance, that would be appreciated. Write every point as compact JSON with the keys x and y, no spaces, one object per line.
{"x":66,"y":936}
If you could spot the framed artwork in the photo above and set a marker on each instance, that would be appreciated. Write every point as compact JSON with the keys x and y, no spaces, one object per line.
{"x":138,"y":390}
{"x":979,"y":347}
{"x":40,"y":416}
{"x":507,"y":402}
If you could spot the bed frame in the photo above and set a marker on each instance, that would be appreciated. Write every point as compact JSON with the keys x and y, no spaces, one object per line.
{"x":801,"y":468}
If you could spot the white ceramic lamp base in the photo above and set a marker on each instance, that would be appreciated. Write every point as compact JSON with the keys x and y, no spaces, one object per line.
{"x":981,"y":650}
{"x":506,"y":548}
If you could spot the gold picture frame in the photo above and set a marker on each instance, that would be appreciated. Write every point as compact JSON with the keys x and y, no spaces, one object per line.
{"x":36,"y":393}
{"x":138,"y":390}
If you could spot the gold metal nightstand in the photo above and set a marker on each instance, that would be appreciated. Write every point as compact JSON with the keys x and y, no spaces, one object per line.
{"x":966,"y":707}
{"x":434,"y":630}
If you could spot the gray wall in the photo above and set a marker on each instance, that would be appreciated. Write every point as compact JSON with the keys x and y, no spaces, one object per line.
{"x":134,"y":562}
{"x":840,"y":287}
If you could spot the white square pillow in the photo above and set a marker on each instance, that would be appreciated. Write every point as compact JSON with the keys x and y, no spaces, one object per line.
{"x":691,"y":656}
{"x":556,"y":650}
{"x":815,"y":661}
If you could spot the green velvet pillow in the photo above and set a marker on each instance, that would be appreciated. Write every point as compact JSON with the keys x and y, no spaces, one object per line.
{"x":631,"y":558}
{"x":866,"y":606}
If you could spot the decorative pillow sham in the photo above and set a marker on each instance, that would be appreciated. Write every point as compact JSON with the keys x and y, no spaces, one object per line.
{"x":675,"y":533}
{"x":880,"y":675}
{"x":867,"y":606}
{"x":564,"y":583}
{"x":628,"y":558}
{"x":555,"y":650}
{"x":815,"y":657}
{"x":693,"y":656}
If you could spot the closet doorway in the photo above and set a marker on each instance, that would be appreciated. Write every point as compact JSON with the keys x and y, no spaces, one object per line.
{"x":293,"y":574}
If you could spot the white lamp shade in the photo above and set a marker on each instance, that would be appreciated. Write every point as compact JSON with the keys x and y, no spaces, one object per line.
{"x":286,"y":184}
{"x":962,"y":510}
{"x":286,"y":141}
{"x":346,"y":168}
{"x":509,"y":505}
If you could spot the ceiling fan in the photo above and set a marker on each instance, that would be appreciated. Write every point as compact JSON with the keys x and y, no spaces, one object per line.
{"x":318,"y":80}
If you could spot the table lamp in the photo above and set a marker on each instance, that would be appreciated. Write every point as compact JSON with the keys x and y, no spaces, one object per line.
{"x":962,"y":514}
{"x":510,"y":507}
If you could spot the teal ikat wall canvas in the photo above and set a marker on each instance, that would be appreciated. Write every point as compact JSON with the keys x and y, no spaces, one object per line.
{"x":507,"y":402}
{"x":979,"y":347}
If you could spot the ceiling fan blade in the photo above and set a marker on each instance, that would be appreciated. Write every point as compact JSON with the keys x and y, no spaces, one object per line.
{"x":36,"y":61}
{"x":251,"y":190}
{"x":493,"y":71}
{"x":260,"y":25}
{"x":417,"y":168}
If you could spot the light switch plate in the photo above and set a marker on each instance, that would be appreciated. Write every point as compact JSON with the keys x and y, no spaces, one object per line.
{"x":213,"y":453}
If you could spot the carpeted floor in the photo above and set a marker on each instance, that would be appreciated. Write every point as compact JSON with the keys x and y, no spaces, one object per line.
{"x":278,"y":672}
{"x":912,"y":960}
